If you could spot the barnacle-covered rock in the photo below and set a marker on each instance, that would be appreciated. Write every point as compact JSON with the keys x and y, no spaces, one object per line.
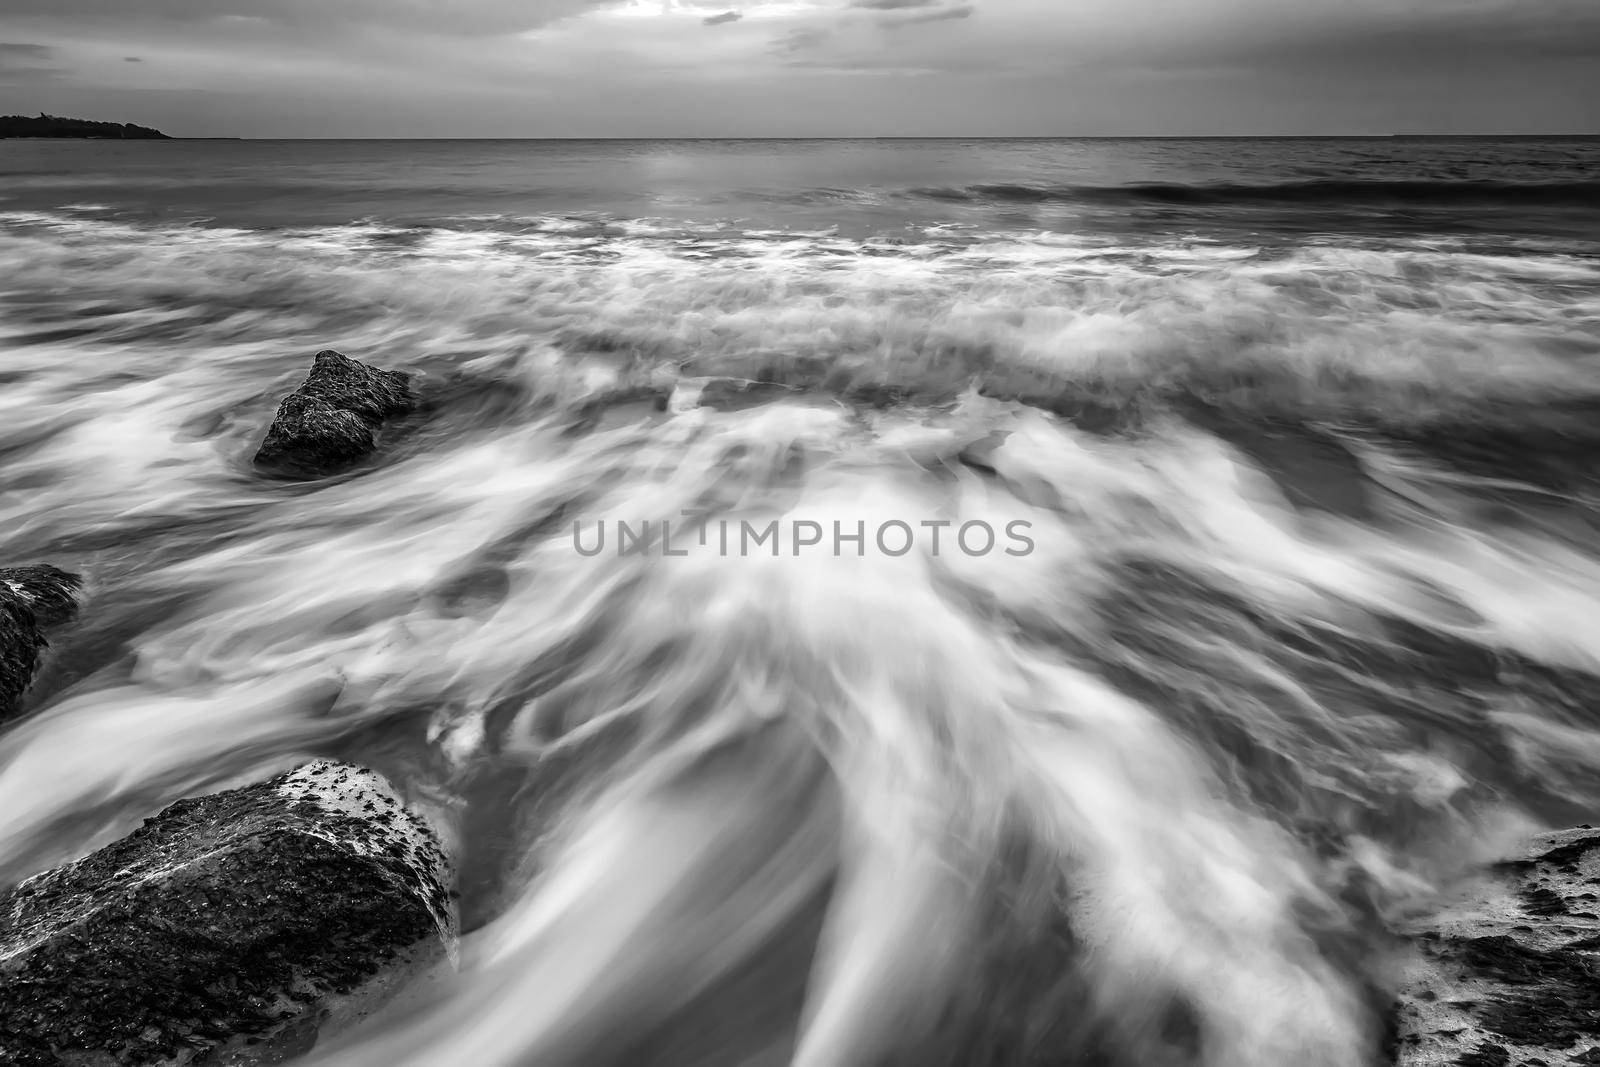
{"x":1509,"y":976}
{"x":229,"y":929}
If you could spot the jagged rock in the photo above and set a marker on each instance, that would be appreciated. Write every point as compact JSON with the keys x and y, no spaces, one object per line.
{"x":31,"y":599}
{"x":228,"y":929}
{"x":332,"y":420}
{"x":1511,"y":974}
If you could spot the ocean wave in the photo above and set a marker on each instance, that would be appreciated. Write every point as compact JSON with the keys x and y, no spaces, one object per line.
{"x":1397,"y":335}
{"x":1153,"y":784}
{"x":1420,"y":193}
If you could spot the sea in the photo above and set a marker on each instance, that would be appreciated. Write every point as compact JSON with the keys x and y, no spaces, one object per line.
{"x":858,"y":603}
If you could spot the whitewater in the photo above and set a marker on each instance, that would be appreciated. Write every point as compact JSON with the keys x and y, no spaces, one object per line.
{"x":1304,"y":629}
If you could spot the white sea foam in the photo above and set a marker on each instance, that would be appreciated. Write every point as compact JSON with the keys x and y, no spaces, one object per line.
{"x":930,"y":769}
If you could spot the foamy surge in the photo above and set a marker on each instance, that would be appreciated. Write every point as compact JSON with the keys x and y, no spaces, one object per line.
{"x":1137,"y":794}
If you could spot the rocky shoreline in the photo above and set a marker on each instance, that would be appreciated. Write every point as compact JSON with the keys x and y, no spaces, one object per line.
{"x":246,"y":925}
{"x":240,"y":926}
{"x":230,"y":928}
{"x":1508,"y":974}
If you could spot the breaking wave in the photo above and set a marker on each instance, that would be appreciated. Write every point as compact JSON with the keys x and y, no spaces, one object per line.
{"x":1305,"y":628}
{"x":1320,"y":192}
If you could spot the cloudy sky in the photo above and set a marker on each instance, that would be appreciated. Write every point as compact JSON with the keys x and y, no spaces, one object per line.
{"x":606,"y":68}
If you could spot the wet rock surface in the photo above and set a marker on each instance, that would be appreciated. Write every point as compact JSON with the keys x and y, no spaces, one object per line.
{"x":1313,"y":468}
{"x":229,"y":929}
{"x":331,"y":422}
{"x":625,"y":406}
{"x":1511,"y":974}
{"x":32,"y":599}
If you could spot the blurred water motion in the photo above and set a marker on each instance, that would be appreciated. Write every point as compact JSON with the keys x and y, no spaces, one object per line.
{"x":1305,"y":629}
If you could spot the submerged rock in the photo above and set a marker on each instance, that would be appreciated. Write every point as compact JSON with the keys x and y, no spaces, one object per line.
{"x":736,"y":394}
{"x":228,"y":929}
{"x":332,"y":420}
{"x":1511,"y":975}
{"x":31,"y":599}
{"x":1314,"y":469}
{"x":618,"y":406}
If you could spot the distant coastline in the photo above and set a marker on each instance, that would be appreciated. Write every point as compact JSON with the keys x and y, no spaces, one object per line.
{"x":82,"y":129}
{"x":48,"y":127}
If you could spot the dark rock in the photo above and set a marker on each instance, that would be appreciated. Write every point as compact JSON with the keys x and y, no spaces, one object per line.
{"x":880,"y":395}
{"x":612,"y":409}
{"x":1510,"y":974}
{"x":31,"y":599}
{"x":50,"y":592}
{"x":1486,"y":1055}
{"x":231,"y":928}
{"x":1313,"y":468}
{"x":332,"y":420}
{"x":737,"y":394}
{"x":1092,"y":415}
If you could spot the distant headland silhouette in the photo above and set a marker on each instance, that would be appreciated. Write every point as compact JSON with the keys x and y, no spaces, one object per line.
{"x":55,"y":126}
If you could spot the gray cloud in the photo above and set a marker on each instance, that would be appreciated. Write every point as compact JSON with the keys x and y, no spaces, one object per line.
{"x":1483,"y":33}
{"x":25,"y":53}
{"x":941,"y":15}
{"x":801,"y":39}
{"x":417,"y":67}
{"x":458,"y":18}
{"x":22,"y":63}
{"x":1464,"y":34}
{"x":132,"y":59}
{"x":722,"y":19}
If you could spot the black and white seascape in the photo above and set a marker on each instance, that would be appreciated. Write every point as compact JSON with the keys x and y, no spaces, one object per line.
{"x":747,"y":601}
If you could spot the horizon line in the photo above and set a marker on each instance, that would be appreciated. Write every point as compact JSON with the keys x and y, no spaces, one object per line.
{"x":924,"y":137}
